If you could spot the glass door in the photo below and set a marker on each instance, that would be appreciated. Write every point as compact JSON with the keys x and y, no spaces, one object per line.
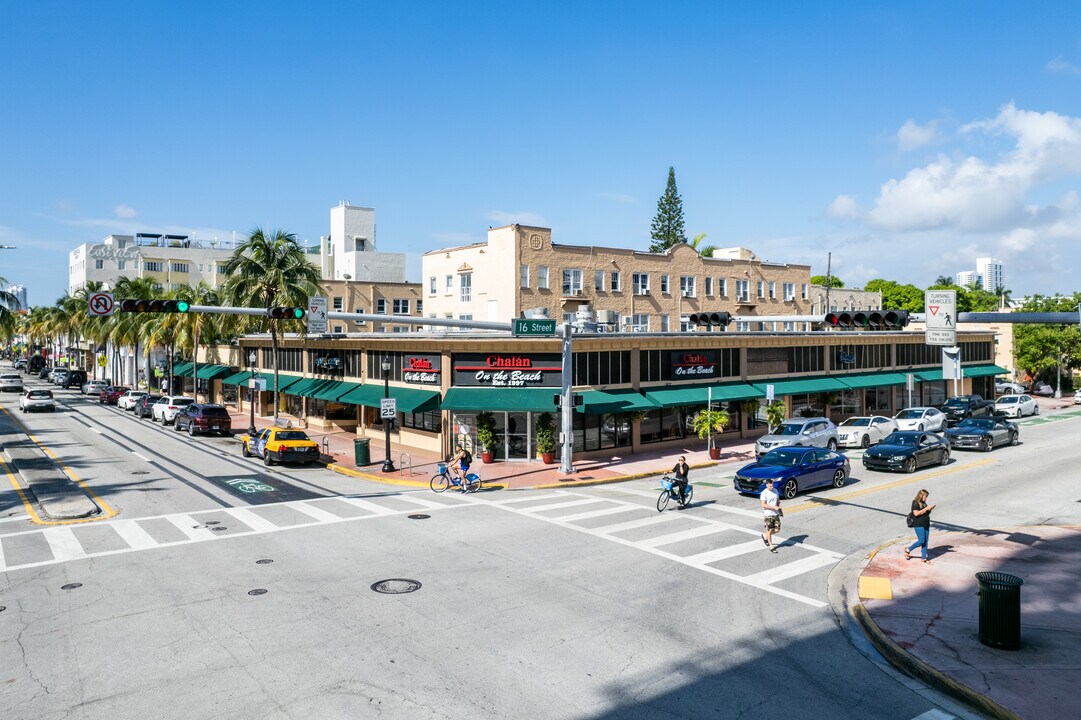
{"x":518,"y":436}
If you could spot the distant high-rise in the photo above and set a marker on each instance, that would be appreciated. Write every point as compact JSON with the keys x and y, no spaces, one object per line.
{"x":967,"y":278}
{"x":19,"y":291}
{"x":991,"y":274}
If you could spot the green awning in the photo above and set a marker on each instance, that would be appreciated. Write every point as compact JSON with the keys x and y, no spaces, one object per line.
{"x":984,"y":370}
{"x":301,"y":386}
{"x":409,"y":399}
{"x":866,"y":380}
{"x":213,"y":372}
{"x":928,"y":375}
{"x":182,"y":369}
{"x":800,"y":386}
{"x":602,"y":402}
{"x":333,"y":390}
{"x":240,"y":378}
{"x":478,"y":399}
{"x":674,"y":395}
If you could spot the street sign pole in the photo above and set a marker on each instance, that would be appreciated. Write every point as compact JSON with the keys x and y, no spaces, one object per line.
{"x":567,"y":406}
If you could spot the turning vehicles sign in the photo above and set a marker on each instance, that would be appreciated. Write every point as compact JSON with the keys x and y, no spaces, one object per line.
{"x":941,"y":314}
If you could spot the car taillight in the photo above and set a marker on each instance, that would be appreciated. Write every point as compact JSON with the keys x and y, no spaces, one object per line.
{"x":281,"y":448}
{"x":174,"y":407}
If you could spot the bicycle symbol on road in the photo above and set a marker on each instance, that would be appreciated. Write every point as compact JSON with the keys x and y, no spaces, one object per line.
{"x":248,"y":486}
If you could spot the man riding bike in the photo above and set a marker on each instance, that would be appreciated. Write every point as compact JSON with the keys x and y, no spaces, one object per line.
{"x":459,"y":463}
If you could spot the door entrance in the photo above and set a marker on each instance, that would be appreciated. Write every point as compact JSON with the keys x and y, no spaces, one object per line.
{"x":517,"y":436}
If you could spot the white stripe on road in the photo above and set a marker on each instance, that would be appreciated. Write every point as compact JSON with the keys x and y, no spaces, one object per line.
{"x":369,"y":506}
{"x":565,"y":503}
{"x":133,"y":534}
{"x":417,"y":500}
{"x":313,"y":512}
{"x":712,"y":556}
{"x":255,"y":522}
{"x":14,"y":518}
{"x":63,"y":543}
{"x":631,"y":524}
{"x":711,"y":506}
{"x":190,"y":527}
{"x":3,"y":563}
{"x":699,"y":531}
{"x":796,"y":567}
{"x":599,"y":513}
{"x":141,"y":457}
{"x":527,"y":498}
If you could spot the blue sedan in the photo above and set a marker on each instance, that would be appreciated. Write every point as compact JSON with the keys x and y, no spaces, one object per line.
{"x":793,"y":469}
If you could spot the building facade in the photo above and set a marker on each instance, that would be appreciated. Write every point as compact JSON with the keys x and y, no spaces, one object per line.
{"x":841,"y":299}
{"x":992,"y":273}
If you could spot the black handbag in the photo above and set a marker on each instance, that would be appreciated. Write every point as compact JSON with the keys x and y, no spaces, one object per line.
{"x":910,"y":520}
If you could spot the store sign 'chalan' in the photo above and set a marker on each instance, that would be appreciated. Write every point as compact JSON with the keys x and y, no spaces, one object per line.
{"x":694,"y":364}
{"x":421,"y":369}
{"x":507,"y":370}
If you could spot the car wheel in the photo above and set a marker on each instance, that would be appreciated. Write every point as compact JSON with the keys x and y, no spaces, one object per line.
{"x":1013,"y":438}
{"x":1036,"y":411}
{"x":986,"y":445}
{"x":865,"y":442}
{"x":244,"y":450}
{"x":266,"y":458}
{"x":945,"y":456}
{"x":191,"y":430}
{"x":790,"y":489}
{"x":839,"y":478}
{"x":832,"y":444}
{"x":176,"y":426}
{"x":910,"y":465}
{"x":919,"y":428}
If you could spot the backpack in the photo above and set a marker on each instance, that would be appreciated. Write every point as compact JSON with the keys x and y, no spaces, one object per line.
{"x":910,"y":520}
{"x":467,"y":459}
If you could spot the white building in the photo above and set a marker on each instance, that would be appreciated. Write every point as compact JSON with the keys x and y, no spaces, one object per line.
{"x":19,"y":292}
{"x":349,"y":252}
{"x":992,"y":274}
{"x":967,"y":278}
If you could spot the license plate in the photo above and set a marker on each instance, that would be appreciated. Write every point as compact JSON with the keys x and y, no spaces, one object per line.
{"x":214,"y":427}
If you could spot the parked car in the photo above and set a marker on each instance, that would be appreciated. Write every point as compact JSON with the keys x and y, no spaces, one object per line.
{"x":11,"y":382}
{"x":921,"y":418}
{"x":94,"y":387}
{"x":864,"y":431}
{"x":111,"y":394}
{"x":280,"y":445}
{"x":167,"y":406}
{"x":74,"y":378}
{"x":983,"y":433}
{"x":143,"y":407}
{"x":792,"y":470}
{"x":44,"y":373}
{"x":19,"y":364}
{"x":34,"y":400}
{"x":59,"y":376}
{"x":1017,"y":405}
{"x":1077,"y":397}
{"x":1005,"y":387}
{"x":960,"y":407}
{"x":203,"y":418}
{"x":127,"y":400}
{"x":1043,"y":389}
{"x":907,"y":451}
{"x":806,"y":432}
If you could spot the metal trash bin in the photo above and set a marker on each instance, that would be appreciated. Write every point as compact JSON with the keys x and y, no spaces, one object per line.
{"x":362,"y":452}
{"x":1000,"y":610}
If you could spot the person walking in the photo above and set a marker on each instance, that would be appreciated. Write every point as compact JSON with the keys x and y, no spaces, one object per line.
{"x":770,"y":501}
{"x":921,"y":523}
{"x":680,"y":471}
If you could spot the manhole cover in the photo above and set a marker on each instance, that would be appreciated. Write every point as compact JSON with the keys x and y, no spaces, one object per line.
{"x":213,"y":522}
{"x":418,"y":516}
{"x":71,"y":586}
{"x":264,"y":561}
{"x":396,"y":586}
{"x":140,"y":472}
{"x":218,"y":529}
{"x":257,"y":591}
{"x":3,"y":608}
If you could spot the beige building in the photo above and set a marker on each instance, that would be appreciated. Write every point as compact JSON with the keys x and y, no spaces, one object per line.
{"x":394,"y":299}
{"x":519,"y":269}
{"x":843,"y":299}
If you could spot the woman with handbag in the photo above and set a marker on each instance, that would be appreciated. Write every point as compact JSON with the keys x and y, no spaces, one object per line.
{"x":919,"y":519}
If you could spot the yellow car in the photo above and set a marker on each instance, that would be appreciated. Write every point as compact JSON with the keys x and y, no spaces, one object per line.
{"x":280,"y":445}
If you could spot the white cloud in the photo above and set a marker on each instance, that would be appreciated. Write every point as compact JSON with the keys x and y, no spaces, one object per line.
{"x":911,"y":135}
{"x":844,"y":207}
{"x":124,"y":211}
{"x":1058,"y":65}
{"x":501,"y":217}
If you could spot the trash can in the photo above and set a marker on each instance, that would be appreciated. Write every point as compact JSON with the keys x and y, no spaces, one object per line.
{"x":1000,"y":610}
{"x":362,"y":453}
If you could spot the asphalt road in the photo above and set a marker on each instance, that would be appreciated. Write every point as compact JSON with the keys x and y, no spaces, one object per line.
{"x":581,"y":603}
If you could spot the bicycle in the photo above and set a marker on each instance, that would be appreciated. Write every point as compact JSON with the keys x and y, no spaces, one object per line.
{"x":444,"y":479}
{"x":669,"y":492}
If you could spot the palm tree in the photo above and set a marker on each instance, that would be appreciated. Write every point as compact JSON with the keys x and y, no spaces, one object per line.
{"x":1003,"y":296}
{"x":8,"y":305}
{"x":707,"y":250}
{"x":944,"y":281}
{"x":194,"y":324}
{"x":129,"y":329}
{"x":268,"y":271}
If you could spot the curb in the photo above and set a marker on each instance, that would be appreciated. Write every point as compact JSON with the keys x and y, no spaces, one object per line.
{"x":350,"y":472}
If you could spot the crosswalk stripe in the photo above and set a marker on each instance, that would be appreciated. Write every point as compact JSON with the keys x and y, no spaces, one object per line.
{"x":711,"y":506}
{"x":711,"y":556}
{"x":365,"y":505}
{"x":631,"y":524}
{"x":422,"y":501}
{"x":598,"y":513}
{"x":133,"y":534}
{"x":187,"y":525}
{"x":699,"y":531}
{"x":791,"y":569}
{"x":528,"y":498}
{"x":252,"y":520}
{"x":314,"y":512}
{"x":3,"y":562}
{"x":63,"y":543}
{"x":565,"y":503}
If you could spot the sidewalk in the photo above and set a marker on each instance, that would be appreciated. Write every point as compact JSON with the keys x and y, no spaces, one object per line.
{"x":419,"y":467}
{"x":924,"y":618}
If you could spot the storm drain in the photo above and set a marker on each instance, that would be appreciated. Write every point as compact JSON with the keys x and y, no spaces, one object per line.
{"x":264,"y":561}
{"x":140,"y":472}
{"x":257,"y":591}
{"x":418,"y":516}
{"x":396,"y":586}
{"x":71,"y":586}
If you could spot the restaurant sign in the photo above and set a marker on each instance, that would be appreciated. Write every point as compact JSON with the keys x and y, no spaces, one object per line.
{"x":421,"y":369}
{"x":507,"y":370}
{"x":694,"y":364}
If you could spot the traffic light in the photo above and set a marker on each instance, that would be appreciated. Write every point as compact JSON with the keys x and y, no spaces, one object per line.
{"x":895,"y":318}
{"x":285,"y":313}
{"x":710,"y":318}
{"x":870,"y":320}
{"x":576,"y":400}
{"x":842,"y":320}
{"x":153,"y":306}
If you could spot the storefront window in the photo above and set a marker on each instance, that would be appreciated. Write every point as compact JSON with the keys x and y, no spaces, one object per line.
{"x":331,"y":410}
{"x":598,"y":432}
{"x":848,"y":403}
{"x":878,"y":400}
{"x":933,"y":393}
{"x":428,"y":421}
{"x":291,"y":404}
{"x":666,"y":423}
{"x":757,"y":419}
{"x":812,"y":405}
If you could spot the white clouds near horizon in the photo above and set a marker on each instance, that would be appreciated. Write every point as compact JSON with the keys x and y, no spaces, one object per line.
{"x":911,"y":136}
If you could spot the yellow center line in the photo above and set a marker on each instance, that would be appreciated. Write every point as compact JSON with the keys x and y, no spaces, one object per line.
{"x":107,"y":512}
{"x":907,"y":480}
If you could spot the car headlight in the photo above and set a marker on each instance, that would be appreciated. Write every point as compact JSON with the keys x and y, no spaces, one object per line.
{"x":896,"y":458}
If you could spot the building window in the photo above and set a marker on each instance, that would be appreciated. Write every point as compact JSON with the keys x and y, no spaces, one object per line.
{"x":542,"y":278}
{"x":761,"y":289}
{"x":803,"y":292}
{"x":772,"y":290}
{"x":636,"y":323}
{"x":722,"y":287}
{"x":420,"y":308}
{"x":179,"y":267}
{"x":467,"y":287}
{"x":337,"y":329}
{"x":617,"y":281}
{"x":99,"y":264}
{"x":664,"y":323}
{"x":686,"y":285}
{"x":572,"y":282}
{"x":120,"y":264}
{"x":338,"y":304}
{"x":607,"y":367}
{"x":743,"y":290}
{"x":743,"y":326}
{"x":449,"y":287}
{"x":381,"y":306}
{"x":664,"y":284}
{"x":465,"y":317}
{"x":640,"y":283}
{"x":598,"y":280}
{"x":401,"y":306}
{"x":152,"y":266}
{"x":684,"y":324}
{"x":523,"y":276}
{"x":789,"y":291}
{"x":709,"y":287}
{"x":431,"y":285}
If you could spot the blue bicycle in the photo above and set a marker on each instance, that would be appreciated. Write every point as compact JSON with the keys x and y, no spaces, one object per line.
{"x":444,"y":479}
{"x":669,"y":491}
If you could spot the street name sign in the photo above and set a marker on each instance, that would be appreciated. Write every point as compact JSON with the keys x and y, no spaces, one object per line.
{"x":317,"y":315}
{"x":531,"y":326}
{"x":940,"y":307}
{"x":101,"y":304}
{"x":388,"y":408}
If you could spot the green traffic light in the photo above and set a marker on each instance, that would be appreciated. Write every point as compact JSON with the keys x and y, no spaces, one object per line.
{"x":182,"y":306}
{"x":298,"y":313}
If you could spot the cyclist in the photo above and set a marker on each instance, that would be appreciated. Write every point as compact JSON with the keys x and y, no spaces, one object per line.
{"x":680,"y":480}
{"x":459,"y":464}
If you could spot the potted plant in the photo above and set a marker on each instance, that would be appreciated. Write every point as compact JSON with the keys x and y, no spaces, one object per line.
{"x":707,"y":422}
{"x":486,"y":436}
{"x":546,"y":441}
{"x":775,"y":414}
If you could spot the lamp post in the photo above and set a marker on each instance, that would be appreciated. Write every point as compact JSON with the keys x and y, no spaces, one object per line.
{"x":251,"y":394}
{"x":388,"y":466}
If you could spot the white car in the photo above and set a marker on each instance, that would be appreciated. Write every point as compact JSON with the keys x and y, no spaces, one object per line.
{"x":1077,"y":398}
{"x":166,"y":408}
{"x":94,"y":387}
{"x":921,"y":418}
{"x":127,"y":400}
{"x":1003,"y":387}
{"x":864,"y":431}
{"x":1017,"y":405}
{"x":32,"y":400}
{"x":11,"y":382}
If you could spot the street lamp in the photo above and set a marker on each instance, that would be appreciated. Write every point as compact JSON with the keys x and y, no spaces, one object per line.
{"x":251,"y":394}
{"x":388,"y":466}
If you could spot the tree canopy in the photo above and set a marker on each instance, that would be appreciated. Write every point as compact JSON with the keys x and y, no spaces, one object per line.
{"x":667,"y":228}
{"x":1038,"y":349}
{"x":896,"y":296}
{"x":834,"y":281}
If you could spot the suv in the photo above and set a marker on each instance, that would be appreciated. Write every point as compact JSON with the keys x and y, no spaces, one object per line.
{"x":76,"y":378}
{"x":962,"y":407}
{"x":203,"y":417}
{"x":37,"y":400}
{"x":167,"y":406}
{"x":142,"y":407}
{"x":11,"y":382}
{"x":806,"y":432}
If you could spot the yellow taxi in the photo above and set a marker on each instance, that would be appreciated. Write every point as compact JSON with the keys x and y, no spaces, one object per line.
{"x":280,"y":445}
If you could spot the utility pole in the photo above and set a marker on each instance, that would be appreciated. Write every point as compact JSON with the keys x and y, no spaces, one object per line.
{"x":829,"y":282}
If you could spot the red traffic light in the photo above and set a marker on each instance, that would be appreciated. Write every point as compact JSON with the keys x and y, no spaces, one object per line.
{"x":832,"y":319}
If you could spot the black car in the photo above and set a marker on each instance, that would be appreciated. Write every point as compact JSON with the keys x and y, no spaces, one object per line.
{"x":962,"y":407}
{"x":142,"y":406}
{"x":75,"y":378}
{"x":203,"y":418}
{"x":45,"y":373}
{"x":907,"y":451}
{"x":983,"y":433}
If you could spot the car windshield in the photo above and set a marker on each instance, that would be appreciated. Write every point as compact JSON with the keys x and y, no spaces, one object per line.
{"x":900,"y":439}
{"x":955,"y":401}
{"x":214,"y":411}
{"x":976,"y":424}
{"x":1008,"y":400}
{"x":789,"y":429}
{"x":909,"y":414}
{"x":291,"y":435}
{"x":781,"y":458}
{"x":856,"y":422}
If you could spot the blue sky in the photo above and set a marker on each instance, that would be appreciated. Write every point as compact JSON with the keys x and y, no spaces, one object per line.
{"x":905,"y":138}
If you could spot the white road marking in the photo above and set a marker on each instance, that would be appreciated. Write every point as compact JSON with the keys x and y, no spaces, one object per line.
{"x":599,"y":513}
{"x":14,"y":518}
{"x":712,"y":556}
{"x":3,"y":563}
{"x":313,"y":512}
{"x":133,"y":534}
{"x":99,"y":431}
{"x":63,"y":543}
{"x":187,"y":525}
{"x":417,"y":500}
{"x":699,"y":531}
{"x":141,"y":457}
{"x":252,"y":520}
{"x":525,"y":497}
{"x":631,"y":524}
{"x":369,"y":506}
{"x":711,"y":506}
{"x":791,"y":569}
{"x":566,"y":503}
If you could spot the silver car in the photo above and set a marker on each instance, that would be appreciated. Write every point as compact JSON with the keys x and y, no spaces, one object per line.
{"x":11,"y":382}
{"x":805,"y":432}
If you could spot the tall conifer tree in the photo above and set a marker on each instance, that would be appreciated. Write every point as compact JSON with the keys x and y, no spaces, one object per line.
{"x":667,"y":228}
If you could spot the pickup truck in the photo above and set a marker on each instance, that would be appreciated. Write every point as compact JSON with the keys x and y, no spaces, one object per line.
{"x":962,"y":407}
